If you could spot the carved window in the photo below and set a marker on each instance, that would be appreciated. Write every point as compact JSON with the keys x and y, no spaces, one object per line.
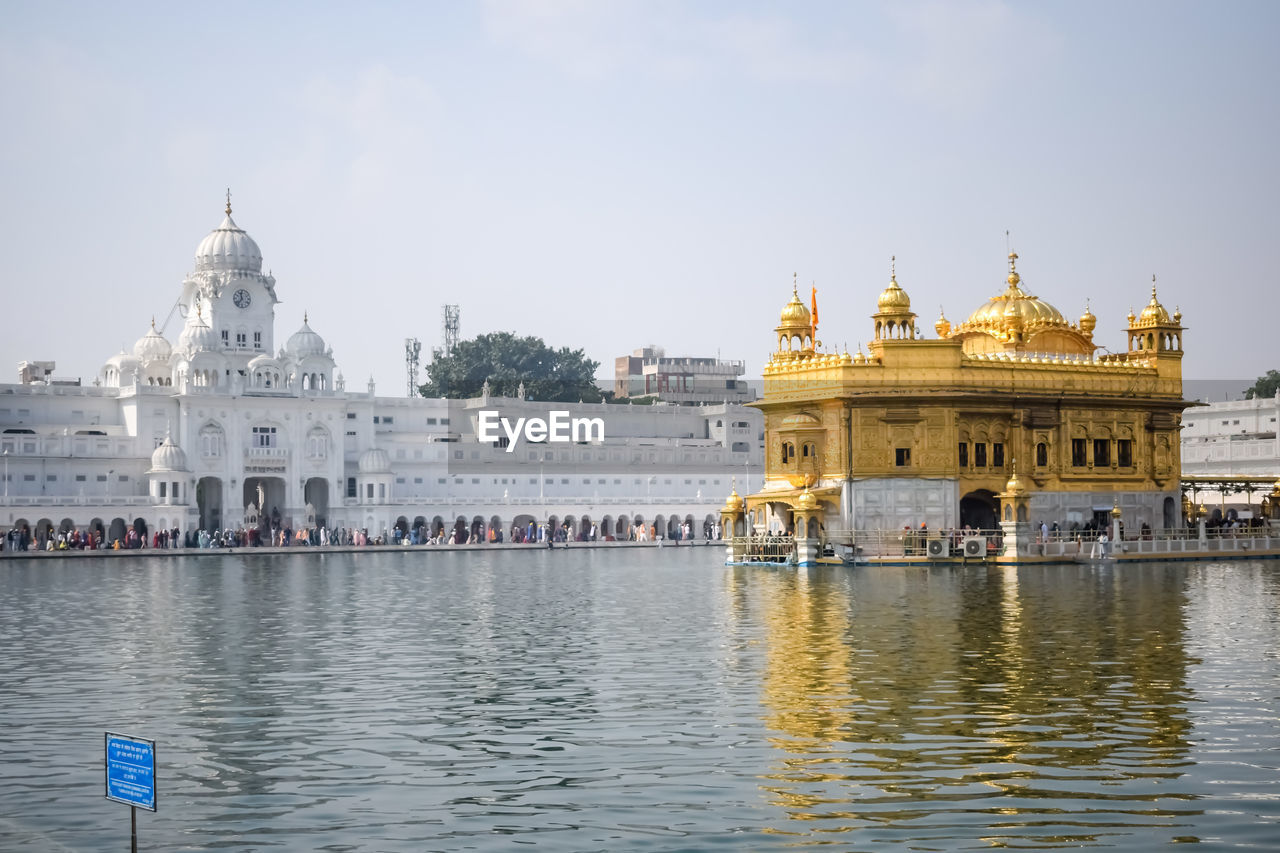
{"x":964,"y":454}
{"x":997,"y":454}
{"x":980,"y":454}
{"x":1079,"y":452}
{"x":809,"y":450}
{"x":788,"y":452}
{"x":902,"y":457}
{"x":211,"y":441}
{"x":1124,"y":453}
{"x":1101,"y":451}
{"x":1042,"y":455}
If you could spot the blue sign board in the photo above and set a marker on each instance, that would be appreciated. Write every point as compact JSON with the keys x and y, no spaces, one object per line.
{"x":131,"y":770}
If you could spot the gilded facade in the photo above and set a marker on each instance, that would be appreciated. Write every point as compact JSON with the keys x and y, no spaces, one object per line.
{"x":930,"y":430}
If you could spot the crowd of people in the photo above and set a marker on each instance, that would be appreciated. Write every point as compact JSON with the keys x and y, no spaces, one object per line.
{"x":279,"y":536}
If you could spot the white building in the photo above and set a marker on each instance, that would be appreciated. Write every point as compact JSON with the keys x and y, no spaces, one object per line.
{"x":222,"y":429}
{"x":1237,"y":438}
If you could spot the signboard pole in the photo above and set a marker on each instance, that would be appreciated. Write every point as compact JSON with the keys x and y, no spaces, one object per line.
{"x":130,"y":765}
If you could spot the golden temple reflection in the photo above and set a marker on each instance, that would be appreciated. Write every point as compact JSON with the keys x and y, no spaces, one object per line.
{"x":990,"y":682}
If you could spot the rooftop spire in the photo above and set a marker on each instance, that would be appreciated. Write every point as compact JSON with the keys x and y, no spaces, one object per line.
{"x":228,"y":201}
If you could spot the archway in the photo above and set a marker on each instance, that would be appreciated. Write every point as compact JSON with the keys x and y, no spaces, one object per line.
{"x":495,"y":529}
{"x":1170,"y":514}
{"x":268,"y":495}
{"x":116,"y":532}
{"x":606,"y":528}
{"x":44,"y":527}
{"x":659,"y":526}
{"x":208,"y":502}
{"x":459,"y":530}
{"x":316,"y":495}
{"x":584,"y":529}
{"x":477,"y":530}
{"x":978,"y":509}
{"x":570,"y":525}
{"x":520,"y":527}
{"x":437,"y":526}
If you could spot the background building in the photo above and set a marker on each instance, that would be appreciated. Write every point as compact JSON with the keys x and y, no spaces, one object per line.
{"x":648,"y":372}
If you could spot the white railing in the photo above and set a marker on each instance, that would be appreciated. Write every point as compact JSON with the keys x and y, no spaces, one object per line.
{"x":452,"y":500}
{"x":266,"y":452}
{"x":73,"y":500}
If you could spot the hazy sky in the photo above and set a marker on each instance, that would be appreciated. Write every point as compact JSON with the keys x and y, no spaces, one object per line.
{"x":611,"y":174}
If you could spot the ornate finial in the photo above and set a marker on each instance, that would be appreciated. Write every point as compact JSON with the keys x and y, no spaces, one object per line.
{"x":228,"y":201}
{"x":199,"y":312}
{"x":893,"y":268}
{"x":795,"y":288}
{"x":1014,"y":278}
{"x":153,"y":322}
{"x":305,"y":318}
{"x":733,"y":483}
{"x":1153,"y":286}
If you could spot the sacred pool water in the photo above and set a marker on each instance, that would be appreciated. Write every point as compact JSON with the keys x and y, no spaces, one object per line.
{"x":639,"y":699}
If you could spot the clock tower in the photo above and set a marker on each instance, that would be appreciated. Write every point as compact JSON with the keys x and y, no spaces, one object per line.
{"x":230,"y":292}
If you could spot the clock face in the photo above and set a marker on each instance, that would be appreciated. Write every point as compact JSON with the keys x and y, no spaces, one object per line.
{"x":242,"y":298}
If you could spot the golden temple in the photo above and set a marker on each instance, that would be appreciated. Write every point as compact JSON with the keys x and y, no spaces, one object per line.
{"x":1016,"y":405}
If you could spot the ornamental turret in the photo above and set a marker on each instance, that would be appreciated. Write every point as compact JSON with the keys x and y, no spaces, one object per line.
{"x":894,"y":319}
{"x":1154,"y":332}
{"x":795,"y":328}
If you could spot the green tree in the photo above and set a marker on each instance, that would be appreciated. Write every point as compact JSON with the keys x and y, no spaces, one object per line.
{"x":1266,"y":386}
{"x":505,"y":360}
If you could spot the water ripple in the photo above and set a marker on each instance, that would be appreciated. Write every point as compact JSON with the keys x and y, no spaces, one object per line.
{"x":640,"y":700}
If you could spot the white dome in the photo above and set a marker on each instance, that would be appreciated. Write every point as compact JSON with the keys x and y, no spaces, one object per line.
{"x":263,"y":360}
{"x":197,"y":335}
{"x":228,"y":247}
{"x":305,"y":342}
{"x":375,"y":461}
{"x":124,"y":363}
{"x":168,"y":457}
{"x":152,"y":346}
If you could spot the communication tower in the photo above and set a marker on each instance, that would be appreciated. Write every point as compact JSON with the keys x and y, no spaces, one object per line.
{"x":450,"y":329}
{"x":411,"y":349}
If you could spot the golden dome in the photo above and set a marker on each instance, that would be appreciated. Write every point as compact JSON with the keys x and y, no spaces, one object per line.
{"x":794,"y":313}
{"x":1088,"y":322}
{"x":1014,"y":486}
{"x":894,"y":299}
{"x":1013,"y":309}
{"x":734,"y":503}
{"x":1154,"y":314}
{"x":943,"y":325}
{"x":806,"y":501}
{"x":1177,"y":316}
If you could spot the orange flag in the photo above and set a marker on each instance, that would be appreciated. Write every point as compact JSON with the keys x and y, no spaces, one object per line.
{"x":813,"y":310}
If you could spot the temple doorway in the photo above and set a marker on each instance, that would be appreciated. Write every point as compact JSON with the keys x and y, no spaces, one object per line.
{"x":209,"y":502}
{"x":267,"y":495}
{"x":978,"y":510}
